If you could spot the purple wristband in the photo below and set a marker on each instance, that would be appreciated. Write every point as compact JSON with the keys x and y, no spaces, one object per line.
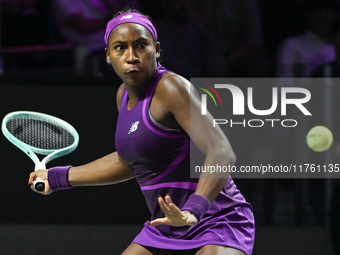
{"x":197,"y":205}
{"x":58,"y":178}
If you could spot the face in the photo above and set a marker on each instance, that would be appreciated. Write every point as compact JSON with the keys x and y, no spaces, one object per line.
{"x":132,"y":53}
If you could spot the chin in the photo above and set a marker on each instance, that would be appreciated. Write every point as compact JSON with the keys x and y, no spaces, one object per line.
{"x":136,"y":81}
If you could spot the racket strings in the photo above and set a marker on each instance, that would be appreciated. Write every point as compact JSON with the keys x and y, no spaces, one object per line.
{"x":40,"y":134}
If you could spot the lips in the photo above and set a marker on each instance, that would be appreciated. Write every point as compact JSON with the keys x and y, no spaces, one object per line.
{"x":132,"y":71}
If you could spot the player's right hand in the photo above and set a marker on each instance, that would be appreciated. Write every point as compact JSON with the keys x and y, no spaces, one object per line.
{"x":42,"y":174}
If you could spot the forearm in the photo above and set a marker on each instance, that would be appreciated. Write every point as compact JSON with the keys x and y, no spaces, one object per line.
{"x":106,"y":170}
{"x":210,"y":185}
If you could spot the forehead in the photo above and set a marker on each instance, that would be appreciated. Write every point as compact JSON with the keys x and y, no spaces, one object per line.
{"x":129,"y":30}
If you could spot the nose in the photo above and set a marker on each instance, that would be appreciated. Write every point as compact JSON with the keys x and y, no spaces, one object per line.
{"x":132,"y":57}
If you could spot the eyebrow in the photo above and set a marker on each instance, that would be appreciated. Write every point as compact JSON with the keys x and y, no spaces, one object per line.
{"x":122,"y":42}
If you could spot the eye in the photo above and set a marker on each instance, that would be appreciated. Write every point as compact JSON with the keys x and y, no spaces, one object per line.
{"x":142,"y":45}
{"x":119,"y":47}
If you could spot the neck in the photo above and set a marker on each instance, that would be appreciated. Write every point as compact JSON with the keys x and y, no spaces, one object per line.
{"x":135,"y":92}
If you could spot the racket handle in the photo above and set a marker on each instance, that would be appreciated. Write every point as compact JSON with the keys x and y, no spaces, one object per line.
{"x":39,"y":185}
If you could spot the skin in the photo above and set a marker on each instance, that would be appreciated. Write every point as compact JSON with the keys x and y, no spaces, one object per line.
{"x":132,"y":53}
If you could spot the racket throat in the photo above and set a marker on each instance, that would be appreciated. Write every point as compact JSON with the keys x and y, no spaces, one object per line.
{"x":39,"y":165}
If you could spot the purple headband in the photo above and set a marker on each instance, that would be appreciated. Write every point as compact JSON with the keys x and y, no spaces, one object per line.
{"x":130,"y":17}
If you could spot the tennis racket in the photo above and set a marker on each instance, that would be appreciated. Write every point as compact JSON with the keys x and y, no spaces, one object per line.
{"x":39,"y":133}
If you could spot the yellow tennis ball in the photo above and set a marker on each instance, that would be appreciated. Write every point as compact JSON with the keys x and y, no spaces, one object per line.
{"x":319,"y":138}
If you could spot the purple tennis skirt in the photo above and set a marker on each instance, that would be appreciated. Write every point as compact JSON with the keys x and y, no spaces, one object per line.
{"x":227,"y":226}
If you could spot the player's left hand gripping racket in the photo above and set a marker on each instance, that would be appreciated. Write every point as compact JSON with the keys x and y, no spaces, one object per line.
{"x":40,"y":133}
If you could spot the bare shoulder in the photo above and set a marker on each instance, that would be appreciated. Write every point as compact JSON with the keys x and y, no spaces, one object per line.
{"x":174,"y":87}
{"x":119,"y":95}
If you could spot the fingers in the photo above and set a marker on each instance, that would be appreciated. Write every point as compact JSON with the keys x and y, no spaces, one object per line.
{"x":164,"y":206}
{"x":159,"y":221}
{"x":32,"y":177}
{"x":173,"y":215}
{"x":168,"y":199}
{"x":173,"y":207}
{"x":42,"y":174}
{"x":169,"y":208}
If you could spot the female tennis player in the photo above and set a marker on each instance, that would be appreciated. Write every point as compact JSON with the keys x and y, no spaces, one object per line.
{"x":153,"y":139}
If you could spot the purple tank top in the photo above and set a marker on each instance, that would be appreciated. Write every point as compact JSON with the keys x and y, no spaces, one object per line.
{"x":152,"y":150}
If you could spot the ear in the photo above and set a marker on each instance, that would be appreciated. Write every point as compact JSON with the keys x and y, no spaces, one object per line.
{"x":158,"y":49}
{"x":107,"y":56}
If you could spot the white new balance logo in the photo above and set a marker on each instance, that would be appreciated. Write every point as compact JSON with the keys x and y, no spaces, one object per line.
{"x":133,"y":127}
{"x":126,"y":17}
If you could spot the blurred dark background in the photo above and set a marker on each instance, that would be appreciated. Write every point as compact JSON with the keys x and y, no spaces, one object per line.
{"x":52,"y":60}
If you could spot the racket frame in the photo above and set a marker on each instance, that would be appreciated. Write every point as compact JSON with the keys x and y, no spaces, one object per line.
{"x":31,"y":151}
